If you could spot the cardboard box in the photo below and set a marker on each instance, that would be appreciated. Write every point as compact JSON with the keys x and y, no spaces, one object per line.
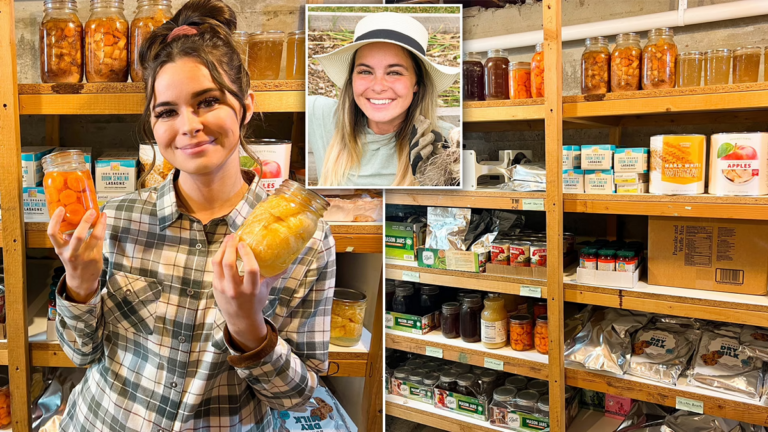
{"x":117,"y":172}
{"x":509,"y":418}
{"x":599,"y":182}
{"x":631,"y":160}
{"x":31,"y":167}
{"x":629,"y":178}
{"x":460,"y":404}
{"x":103,"y":197}
{"x":571,"y":157}
{"x":617,"y":406}
{"x":727,"y":255}
{"x":526,"y":272}
{"x":409,"y":390}
{"x":609,"y":278}
{"x":597,"y":157}
{"x":35,"y":207}
{"x":414,"y":324}
{"x":573,"y":181}
{"x":86,"y":150}
{"x":636,"y":188}
{"x":401,"y":239}
{"x":466,"y":261}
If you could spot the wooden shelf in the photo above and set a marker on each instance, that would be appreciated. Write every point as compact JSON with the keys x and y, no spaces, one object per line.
{"x":486,"y":198}
{"x":504,"y":110}
{"x":359,"y":237}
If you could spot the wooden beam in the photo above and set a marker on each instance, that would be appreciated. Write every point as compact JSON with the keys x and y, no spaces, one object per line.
{"x":372,"y":390}
{"x":52,"y":133}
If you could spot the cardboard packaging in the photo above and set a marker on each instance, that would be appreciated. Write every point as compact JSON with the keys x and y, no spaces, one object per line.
{"x":629,"y":178}
{"x":413,"y":324}
{"x":103,"y":197}
{"x":599,"y":182}
{"x":461,"y":404}
{"x":117,"y":172}
{"x":467,"y":261}
{"x":401,"y":239}
{"x":727,"y":255}
{"x":597,"y":157}
{"x":573,"y":181}
{"x":630,"y":160}
{"x":417,"y":392}
{"x":35,"y":207}
{"x":617,"y":407}
{"x":571,"y":157}
{"x":633,"y":188}
{"x":86,"y":150}
{"x":31,"y":165}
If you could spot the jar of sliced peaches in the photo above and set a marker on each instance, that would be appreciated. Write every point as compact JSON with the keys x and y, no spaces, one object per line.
{"x":150,"y":14}
{"x":106,"y":42}
{"x":61,"y":43}
{"x":68,"y":183}
{"x":659,"y":56}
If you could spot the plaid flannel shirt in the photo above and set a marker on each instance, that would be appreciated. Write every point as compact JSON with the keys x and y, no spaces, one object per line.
{"x":159,"y":354}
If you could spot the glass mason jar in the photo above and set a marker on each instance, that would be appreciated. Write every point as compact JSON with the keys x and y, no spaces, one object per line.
{"x":541,"y":335}
{"x":537,"y":72}
{"x":718,"y":67}
{"x":241,"y":43}
{"x":539,"y":386}
{"x":5,"y":404}
{"x":526,"y":401}
{"x":625,"y":63}
{"x":746,"y":65}
{"x":61,"y":43}
{"x":518,"y":382}
{"x":473,"y":83}
{"x":497,"y":75}
{"x":469,"y":327}
{"x":347,"y":315}
{"x":280,"y":227}
{"x":68,"y":183}
{"x":106,"y":42}
{"x":520,"y":80}
{"x":542,"y":407}
{"x":493,"y":323}
{"x":595,"y":65}
{"x":689,"y":67}
{"x":265,"y":53}
{"x":389,"y":288}
{"x":449,"y":320}
{"x":521,"y":332}
{"x":405,"y":301}
{"x":295,"y":58}
{"x":659,"y":56}
{"x":150,"y":14}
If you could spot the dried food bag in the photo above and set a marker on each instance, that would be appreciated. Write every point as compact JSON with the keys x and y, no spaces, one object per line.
{"x":725,"y":329}
{"x":660,"y":352}
{"x":575,"y":324}
{"x":507,"y":223}
{"x":479,"y":227}
{"x":755,"y":341}
{"x":721,"y":363}
{"x":446,"y":227}
{"x":643,"y":417}
{"x":321,"y":413}
{"x":685,"y":421}
{"x":689,"y":323}
{"x":523,"y":186}
{"x":605,"y":343}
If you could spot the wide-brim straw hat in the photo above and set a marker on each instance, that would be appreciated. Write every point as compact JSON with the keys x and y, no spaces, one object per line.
{"x":391,"y":27}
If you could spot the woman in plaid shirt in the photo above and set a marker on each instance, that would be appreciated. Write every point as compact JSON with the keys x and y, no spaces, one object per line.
{"x":153,"y":302}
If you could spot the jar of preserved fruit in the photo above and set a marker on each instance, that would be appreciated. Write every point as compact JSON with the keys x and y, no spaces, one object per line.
{"x":718,"y":67}
{"x":295,"y":58}
{"x":448,"y":381}
{"x":68,"y":183}
{"x":449,"y":320}
{"x":606,"y":260}
{"x":466,"y":385}
{"x":659,"y":56}
{"x":537,"y":72}
{"x":521,"y":332}
{"x":150,"y":14}
{"x":347,"y":315}
{"x":625,"y":63}
{"x":106,"y":42}
{"x":280,"y":227}
{"x":405,"y":301}
{"x":471,"y":310}
{"x":497,"y":75}
{"x":61,"y":43}
{"x":494,"y":323}
{"x":689,"y":67}
{"x":541,"y":335}
{"x":746,"y":65}
{"x":518,"y":382}
{"x":595,"y":65}
{"x":265,"y":54}
{"x":241,"y":43}
{"x":520,"y":80}
{"x":429,"y":299}
{"x":473,"y":83}
{"x":5,"y":405}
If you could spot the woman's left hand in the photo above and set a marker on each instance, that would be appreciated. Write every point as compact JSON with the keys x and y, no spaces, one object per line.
{"x":241,"y":299}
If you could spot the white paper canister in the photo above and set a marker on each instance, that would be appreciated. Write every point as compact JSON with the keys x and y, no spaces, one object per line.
{"x":275,"y":158}
{"x":678,"y":164}
{"x":738,"y":164}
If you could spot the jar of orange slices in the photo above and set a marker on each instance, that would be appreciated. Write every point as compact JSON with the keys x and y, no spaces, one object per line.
{"x":68,"y":183}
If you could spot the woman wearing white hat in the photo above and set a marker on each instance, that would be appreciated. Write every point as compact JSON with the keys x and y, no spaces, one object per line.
{"x":384,"y":126}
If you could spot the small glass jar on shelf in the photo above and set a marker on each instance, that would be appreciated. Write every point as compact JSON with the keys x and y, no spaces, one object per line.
{"x":150,"y":14}
{"x":347,"y":313}
{"x":497,"y":75}
{"x":541,"y":335}
{"x":520,"y":80}
{"x":659,"y":57}
{"x":449,"y":320}
{"x":106,"y":42}
{"x":521,"y":332}
{"x":537,"y":72}
{"x":625,"y":63}
{"x":471,"y":309}
{"x":61,"y":43}
{"x":405,"y":301}
{"x":473,"y":80}
{"x":689,"y":69}
{"x":595,"y":66}
{"x":241,"y":43}
{"x":746,"y":65}
{"x":718,"y":67}
{"x":295,"y":60}
{"x":265,"y":54}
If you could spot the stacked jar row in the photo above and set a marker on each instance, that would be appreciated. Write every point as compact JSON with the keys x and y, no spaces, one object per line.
{"x":498,"y":79}
{"x":719,"y":66}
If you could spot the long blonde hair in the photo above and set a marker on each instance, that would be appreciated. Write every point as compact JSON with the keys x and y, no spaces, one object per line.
{"x":346,"y":148}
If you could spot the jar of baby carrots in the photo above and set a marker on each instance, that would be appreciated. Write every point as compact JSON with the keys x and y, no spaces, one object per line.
{"x":541,"y":335}
{"x":520,"y":80}
{"x":521,"y":332}
{"x":537,"y":72}
{"x":68,"y":183}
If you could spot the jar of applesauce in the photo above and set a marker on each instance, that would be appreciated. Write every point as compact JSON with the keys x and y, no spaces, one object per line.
{"x":659,"y":56}
{"x":241,"y":43}
{"x":537,"y":72}
{"x":150,"y":14}
{"x":280,"y":227}
{"x":689,"y":67}
{"x":746,"y":65}
{"x":106,"y":42}
{"x":718,"y":67}
{"x":625,"y":63}
{"x":497,"y":75}
{"x":595,"y":63}
{"x":68,"y":183}
{"x":265,"y":54}
{"x":61,"y":43}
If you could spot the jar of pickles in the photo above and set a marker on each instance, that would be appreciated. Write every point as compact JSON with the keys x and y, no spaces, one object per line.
{"x":265,"y":52}
{"x":521,"y":332}
{"x":68,"y":184}
{"x":537,"y":72}
{"x":541,"y":335}
{"x":497,"y":75}
{"x":347,"y":315}
{"x":150,"y":14}
{"x":294,"y":59}
{"x":473,"y":84}
{"x":61,"y":43}
{"x":718,"y":67}
{"x":746,"y":65}
{"x":106,"y":42}
{"x":520,"y":80}
{"x":595,"y":64}
{"x":659,"y":56}
{"x":689,"y":67}
{"x":280,"y":227}
{"x":625,"y":63}
{"x":241,"y":43}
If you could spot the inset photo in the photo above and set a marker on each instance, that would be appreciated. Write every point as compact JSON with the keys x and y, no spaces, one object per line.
{"x":383,"y":105}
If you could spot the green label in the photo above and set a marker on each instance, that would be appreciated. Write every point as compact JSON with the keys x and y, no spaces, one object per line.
{"x":463,"y":357}
{"x":689,"y":405}
{"x":530,"y":291}
{"x":396,"y":242}
{"x":492,"y":363}
{"x":411,"y":276}
{"x":403,"y":322}
{"x":533,"y":204}
{"x":434,"y":352}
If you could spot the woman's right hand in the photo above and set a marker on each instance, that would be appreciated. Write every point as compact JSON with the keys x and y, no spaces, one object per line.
{"x":81,"y":254}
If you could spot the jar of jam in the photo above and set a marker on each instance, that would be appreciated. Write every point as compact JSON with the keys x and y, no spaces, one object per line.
{"x":474,"y":77}
{"x":588,"y":258}
{"x":539,"y":309}
{"x":61,"y":43}
{"x":539,"y":386}
{"x":718,"y":67}
{"x":466,"y":385}
{"x":659,"y":56}
{"x":521,"y":332}
{"x":404,"y":301}
{"x":497,"y":75}
{"x":526,"y":401}
{"x":471,"y":310}
{"x":449,"y":320}
{"x":626,"y":261}
{"x":389,"y":287}
{"x":520,"y":80}
{"x":265,"y":54}
{"x":625,"y":63}
{"x":68,"y":183}
{"x":746,"y":65}
{"x":150,"y":14}
{"x":541,"y":335}
{"x":606,"y":260}
{"x":537,"y":72}
{"x":448,"y":381}
{"x":518,"y":382}
{"x":429,"y":299}
{"x":542,"y":407}
{"x":241,"y":43}
{"x":689,"y":67}
{"x":493,"y":323}
{"x":595,"y":66}
{"x":106,"y":42}
{"x":294,"y":58}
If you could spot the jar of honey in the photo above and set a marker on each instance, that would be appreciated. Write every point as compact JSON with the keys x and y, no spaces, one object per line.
{"x":106,"y":42}
{"x":689,"y":67}
{"x":497,"y":75}
{"x":595,"y":65}
{"x":746,"y":65}
{"x":520,"y":80}
{"x":473,"y":84}
{"x":295,"y":58}
{"x":68,"y":183}
{"x":537,"y":72}
{"x":521,"y":332}
{"x":280,"y":227}
{"x":265,"y":54}
{"x":718,"y":67}
{"x":541,"y":335}
{"x":625,"y":63}
{"x":150,"y":14}
{"x":61,"y":43}
{"x":659,"y":57}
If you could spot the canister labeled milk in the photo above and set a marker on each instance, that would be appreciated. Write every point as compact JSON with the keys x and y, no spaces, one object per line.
{"x":275,"y":158}
{"x":677,"y":164}
{"x":738,"y":164}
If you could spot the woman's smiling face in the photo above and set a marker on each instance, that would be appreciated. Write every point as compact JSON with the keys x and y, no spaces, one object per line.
{"x":383,"y":83}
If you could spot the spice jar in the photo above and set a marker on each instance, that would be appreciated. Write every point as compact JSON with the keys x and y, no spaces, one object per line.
{"x":746,"y":65}
{"x":539,"y":386}
{"x":595,"y":64}
{"x":539,"y":309}
{"x":520,"y":80}
{"x":68,"y":183}
{"x":625,"y":63}
{"x":61,"y":43}
{"x":429,"y":299}
{"x":404,"y":301}
{"x":280,"y":227}
{"x":473,"y":83}
{"x":241,"y":43}
{"x":497,"y":75}
{"x":150,"y":14}
{"x":265,"y":53}
{"x":521,"y":332}
{"x":466,"y":385}
{"x":588,"y":258}
{"x":626,"y":261}
{"x":659,"y":56}
{"x":606,"y":260}
{"x":718,"y":67}
{"x":518,"y":382}
{"x":106,"y":42}
{"x":448,"y":381}
{"x":537,"y":72}
{"x":541,"y":335}
{"x":494,"y":323}
{"x":471,"y":310}
{"x":542,"y":407}
{"x":689,"y":67}
{"x":526,"y":401}
{"x":449,"y":320}
{"x":295,"y":59}
{"x":347,"y":315}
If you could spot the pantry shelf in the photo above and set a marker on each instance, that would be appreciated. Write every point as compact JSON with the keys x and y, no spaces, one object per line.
{"x":504,"y":110}
{"x":485,"y":198}
{"x":359,"y":237}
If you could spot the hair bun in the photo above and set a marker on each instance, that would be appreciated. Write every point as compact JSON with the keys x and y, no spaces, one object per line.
{"x":201,"y":12}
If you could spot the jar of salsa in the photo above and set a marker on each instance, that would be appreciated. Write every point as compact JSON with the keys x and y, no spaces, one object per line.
{"x":520,"y":80}
{"x":606,"y":260}
{"x":539,"y":309}
{"x":588,"y":258}
{"x":448,"y":381}
{"x":404,"y":301}
{"x":494,"y":323}
{"x":68,"y":183}
{"x":521,"y":332}
{"x":471,"y":310}
{"x":537,"y":72}
{"x":626,"y":261}
{"x":497,"y":75}
{"x":429,"y":300}
{"x":449,"y":320}
{"x":541,"y":335}
{"x":474,"y":79}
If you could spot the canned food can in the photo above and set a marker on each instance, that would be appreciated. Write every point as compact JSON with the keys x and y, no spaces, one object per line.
{"x":520,"y":254}
{"x":500,"y":252}
{"x":677,"y":164}
{"x":738,"y":164}
{"x":538,"y":254}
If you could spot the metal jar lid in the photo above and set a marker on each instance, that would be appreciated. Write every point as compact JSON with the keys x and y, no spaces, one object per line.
{"x":449,"y":375}
{"x":504,"y":394}
{"x":518,"y":382}
{"x":539,"y":386}
{"x":402,"y":372}
{"x":431,"y":379}
{"x":527,"y":397}
{"x":466,"y":379}
{"x":451,"y":308}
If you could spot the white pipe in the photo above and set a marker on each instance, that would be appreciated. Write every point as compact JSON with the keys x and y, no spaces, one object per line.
{"x":698,"y":15}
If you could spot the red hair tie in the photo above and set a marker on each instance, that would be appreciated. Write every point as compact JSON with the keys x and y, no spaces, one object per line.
{"x":183,"y":30}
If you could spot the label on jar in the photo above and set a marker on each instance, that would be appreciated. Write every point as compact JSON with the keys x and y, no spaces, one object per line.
{"x":588,"y":263}
{"x":606,"y":264}
{"x":493,"y":331}
{"x":626,"y":266}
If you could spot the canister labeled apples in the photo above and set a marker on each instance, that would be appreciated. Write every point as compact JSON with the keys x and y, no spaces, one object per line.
{"x":738,"y":164}
{"x":275,"y":158}
{"x":677,"y":164}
